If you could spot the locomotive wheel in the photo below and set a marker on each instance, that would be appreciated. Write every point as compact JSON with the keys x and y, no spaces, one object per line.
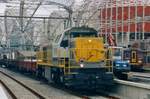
{"x":39,"y":73}
{"x":57,"y":77}
{"x":53,"y":77}
{"x":61,"y":79}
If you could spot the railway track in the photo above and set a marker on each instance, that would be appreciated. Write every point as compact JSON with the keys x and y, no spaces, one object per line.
{"x":68,"y":90}
{"x":140,"y":77}
{"x":11,"y":93}
{"x":21,"y":84}
{"x":106,"y":95}
{"x":8,"y":90}
{"x":86,"y":94}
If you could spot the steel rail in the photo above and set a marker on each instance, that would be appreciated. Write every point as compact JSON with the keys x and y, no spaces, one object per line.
{"x":73,"y":92}
{"x":8,"y":90}
{"x":26,"y":87}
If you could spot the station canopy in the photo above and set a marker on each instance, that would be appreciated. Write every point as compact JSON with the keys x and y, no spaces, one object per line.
{"x":46,"y":7}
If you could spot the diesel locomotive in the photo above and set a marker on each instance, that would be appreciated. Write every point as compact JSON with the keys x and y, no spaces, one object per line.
{"x":121,"y":67}
{"x":76,"y":58}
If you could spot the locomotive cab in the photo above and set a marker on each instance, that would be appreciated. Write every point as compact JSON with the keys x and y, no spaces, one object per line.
{"x":85,"y":47}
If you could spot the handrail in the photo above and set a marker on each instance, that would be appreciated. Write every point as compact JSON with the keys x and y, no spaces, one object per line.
{"x":67,"y":69}
{"x":109,"y":64}
{"x":65,"y":58}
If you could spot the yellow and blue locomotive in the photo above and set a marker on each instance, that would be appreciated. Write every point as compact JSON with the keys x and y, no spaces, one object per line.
{"x":76,"y":58}
{"x":121,"y":67}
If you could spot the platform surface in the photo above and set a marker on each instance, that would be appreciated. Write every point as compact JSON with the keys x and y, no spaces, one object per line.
{"x":2,"y":93}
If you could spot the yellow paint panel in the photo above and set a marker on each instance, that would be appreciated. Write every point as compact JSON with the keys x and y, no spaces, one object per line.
{"x":134,"y":57}
{"x":89,"y":49}
{"x":43,"y":57}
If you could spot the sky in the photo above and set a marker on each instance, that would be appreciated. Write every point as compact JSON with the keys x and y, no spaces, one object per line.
{"x":78,"y":1}
{"x":42,"y":11}
{"x":2,"y":8}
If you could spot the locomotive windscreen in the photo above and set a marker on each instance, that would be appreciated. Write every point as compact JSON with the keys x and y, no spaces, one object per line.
{"x":83,"y":34}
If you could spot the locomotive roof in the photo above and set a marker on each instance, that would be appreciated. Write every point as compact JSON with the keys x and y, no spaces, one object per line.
{"x":81,"y":30}
{"x":27,"y":53}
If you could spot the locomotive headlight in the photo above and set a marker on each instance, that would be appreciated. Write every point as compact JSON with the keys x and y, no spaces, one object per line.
{"x":81,"y":65}
{"x":140,"y":61}
{"x":124,"y":65}
{"x":90,"y":41}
